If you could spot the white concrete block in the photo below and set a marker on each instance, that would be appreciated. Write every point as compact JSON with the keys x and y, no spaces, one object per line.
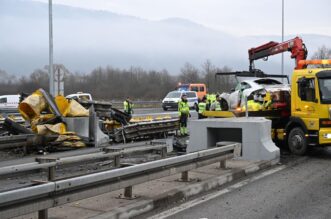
{"x":254,"y":133}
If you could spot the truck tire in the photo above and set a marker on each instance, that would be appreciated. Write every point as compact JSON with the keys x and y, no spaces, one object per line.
{"x":224,"y":105}
{"x":297,"y":141}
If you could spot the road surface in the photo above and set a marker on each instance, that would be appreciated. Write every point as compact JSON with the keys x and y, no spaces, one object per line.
{"x":300,"y":191}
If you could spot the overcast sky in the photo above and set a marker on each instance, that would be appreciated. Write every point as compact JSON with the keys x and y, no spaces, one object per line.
{"x":237,"y":17}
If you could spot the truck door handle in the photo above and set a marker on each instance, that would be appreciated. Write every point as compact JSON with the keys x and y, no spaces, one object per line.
{"x":298,"y":109}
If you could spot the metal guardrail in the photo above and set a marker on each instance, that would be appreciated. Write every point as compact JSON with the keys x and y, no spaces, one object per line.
{"x":52,"y":162}
{"x":140,"y":104}
{"x":55,"y":193}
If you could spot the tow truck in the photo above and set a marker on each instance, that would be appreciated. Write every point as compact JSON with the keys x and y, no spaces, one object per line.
{"x":302,"y":117}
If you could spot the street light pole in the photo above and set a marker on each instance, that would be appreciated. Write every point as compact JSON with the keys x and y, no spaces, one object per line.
{"x":283,"y":36}
{"x":50,"y":66}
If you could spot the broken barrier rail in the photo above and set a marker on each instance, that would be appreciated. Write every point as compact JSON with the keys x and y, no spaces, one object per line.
{"x":55,"y":193}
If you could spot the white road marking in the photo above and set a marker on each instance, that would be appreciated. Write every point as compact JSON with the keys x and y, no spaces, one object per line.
{"x":208,"y":197}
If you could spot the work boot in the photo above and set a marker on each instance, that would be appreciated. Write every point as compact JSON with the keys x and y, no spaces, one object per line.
{"x":186,"y":131}
{"x":182,"y":131}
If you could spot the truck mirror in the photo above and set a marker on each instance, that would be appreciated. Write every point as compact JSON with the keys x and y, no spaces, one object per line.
{"x":232,"y":90}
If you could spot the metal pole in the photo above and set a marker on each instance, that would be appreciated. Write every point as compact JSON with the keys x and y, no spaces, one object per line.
{"x":282,"y":38}
{"x":50,"y":67}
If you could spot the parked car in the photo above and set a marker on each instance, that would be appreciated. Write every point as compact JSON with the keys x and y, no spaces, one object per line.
{"x":247,"y":87}
{"x":80,"y":96}
{"x":9,"y":103}
{"x":173,"y":97}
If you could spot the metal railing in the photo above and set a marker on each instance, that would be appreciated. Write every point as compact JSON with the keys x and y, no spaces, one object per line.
{"x":55,"y":193}
{"x":51,"y":162}
{"x":140,"y":104}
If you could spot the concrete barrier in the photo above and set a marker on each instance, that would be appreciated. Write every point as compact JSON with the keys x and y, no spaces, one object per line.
{"x":254,"y":133}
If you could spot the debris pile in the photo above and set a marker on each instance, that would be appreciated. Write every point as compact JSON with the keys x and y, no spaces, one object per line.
{"x":45,"y":117}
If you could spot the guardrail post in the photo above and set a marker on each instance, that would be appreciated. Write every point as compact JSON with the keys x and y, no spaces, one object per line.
{"x":223,"y":164}
{"x":128,"y":192}
{"x":117,"y":161}
{"x":185,"y":177}
{"x":117,"y":158}
{"x":51,"y":173}
{"x":43,"y":214}
{"x":164,"y":152}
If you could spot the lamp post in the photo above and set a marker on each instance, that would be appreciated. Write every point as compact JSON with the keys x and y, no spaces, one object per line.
{"x":50,"y":66}
{"x":282,"y":38}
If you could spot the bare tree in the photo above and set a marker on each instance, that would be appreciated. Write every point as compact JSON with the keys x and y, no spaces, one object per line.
{"x":115,"y":84}
{"x":189,"y":74}
{"x":322,"y":53}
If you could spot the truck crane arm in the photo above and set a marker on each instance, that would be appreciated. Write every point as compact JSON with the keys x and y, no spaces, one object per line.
{"x":295,"y":46}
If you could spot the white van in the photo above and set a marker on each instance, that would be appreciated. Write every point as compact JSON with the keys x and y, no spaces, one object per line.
{"x":80,"y":96}
{"x":9,"y":103}
{"x":173,"y":97}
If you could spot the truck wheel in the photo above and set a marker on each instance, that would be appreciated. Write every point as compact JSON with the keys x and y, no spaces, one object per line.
{"x":224,"y":105}
{"x":297,"y":141}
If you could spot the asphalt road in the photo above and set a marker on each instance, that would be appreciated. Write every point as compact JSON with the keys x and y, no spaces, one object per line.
{"x":300,"y":191}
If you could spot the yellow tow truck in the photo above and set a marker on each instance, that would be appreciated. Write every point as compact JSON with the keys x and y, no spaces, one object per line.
{"x":303,"y":117}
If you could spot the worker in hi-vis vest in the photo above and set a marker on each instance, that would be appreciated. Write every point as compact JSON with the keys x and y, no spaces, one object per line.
{"x":184,"y":113}
{"x":216,"y":105}
{"x":128,"y":106}
{"x":202,"y":106}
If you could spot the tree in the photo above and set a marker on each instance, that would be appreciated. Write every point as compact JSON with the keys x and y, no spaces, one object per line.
{"x":322,"y":53}
{"x":189,"y":74}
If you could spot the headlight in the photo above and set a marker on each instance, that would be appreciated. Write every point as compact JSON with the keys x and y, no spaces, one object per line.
{"x":327,"y":136}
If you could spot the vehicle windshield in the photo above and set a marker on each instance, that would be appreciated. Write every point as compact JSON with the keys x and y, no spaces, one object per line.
{"x":174,"y":95}
{"x":84,"y":97}
{"x":183,"y":88}
{"x":191,"y":95}
{"x":325,"y":90}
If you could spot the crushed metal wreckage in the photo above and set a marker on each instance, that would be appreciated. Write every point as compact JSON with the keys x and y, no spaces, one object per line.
{"x":59,"y":123}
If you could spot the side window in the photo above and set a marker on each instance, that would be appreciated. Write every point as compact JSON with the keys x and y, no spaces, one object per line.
{"x":245,"y":86}
{"x":202,"y":89}
{"x":306,"y":89}
{"x":3,"y":100}
{"x":195,"y":88}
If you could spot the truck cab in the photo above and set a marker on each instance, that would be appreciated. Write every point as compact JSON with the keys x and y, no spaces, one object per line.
{"x":310,"y":121}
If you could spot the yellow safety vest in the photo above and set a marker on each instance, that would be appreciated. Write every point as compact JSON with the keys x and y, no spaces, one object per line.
{"x":128,"y":107}
{"x":183,"y":108}
{"x":202,"y":107}
{"x":218,"y":106}
{"x":252,"y":106}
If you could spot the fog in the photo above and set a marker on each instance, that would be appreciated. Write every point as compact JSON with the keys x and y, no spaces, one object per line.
{"x":85,"y":39}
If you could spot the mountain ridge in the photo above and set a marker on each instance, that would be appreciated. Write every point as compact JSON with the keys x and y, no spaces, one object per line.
{"x":86,"y":39}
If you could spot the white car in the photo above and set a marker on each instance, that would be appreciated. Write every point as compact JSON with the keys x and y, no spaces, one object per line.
{"x":247,"y":87}
{"x":80,"y":96}
{"x":9,"y":103}
{"x":173,"y":97}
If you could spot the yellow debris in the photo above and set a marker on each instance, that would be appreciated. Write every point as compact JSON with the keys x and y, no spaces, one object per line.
{"x":32,"y":106}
